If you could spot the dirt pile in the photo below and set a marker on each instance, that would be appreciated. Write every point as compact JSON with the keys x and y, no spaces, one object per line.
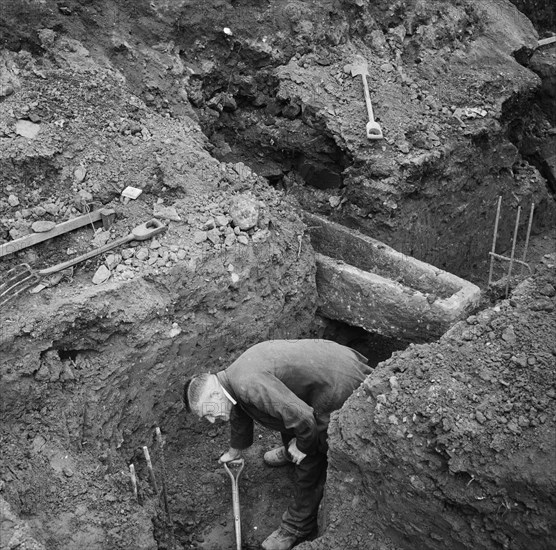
{"x":452,"y":444}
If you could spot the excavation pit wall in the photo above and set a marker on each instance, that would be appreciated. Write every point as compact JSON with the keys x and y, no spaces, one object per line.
{"x":89,"y":371}
{"x":451,"y":444}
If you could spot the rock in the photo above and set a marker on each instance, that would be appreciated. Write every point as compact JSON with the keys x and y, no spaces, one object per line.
{"x":42,"y":226}
{"x":6,"y":90}
{"x":243,"y":239}
{"x":27,"y":129}
{"x":548,"y":290}
{"x":155,"y":243}
{"x":509,"y":336}
{"x":261,"y":236}
{"x":166,"y":213}
{"x":13,"y":201}
{"x":214,"y":236}
{"x":100,"y":238}
{"x":544,"y":304}
{"x":200,"y":237}
{"x":112,"y":260}
{"x":245,"y":212}
{"x":51,"y":208}
{"x":39,"y":211}
{"x":102,"y":274}
{"x":335,"y":201}
{"x":142,"y":254}
{"x":181,"y":254}
{"x":208,"y":225}
{"x":221,"y":221}
{"x":128,"y":253}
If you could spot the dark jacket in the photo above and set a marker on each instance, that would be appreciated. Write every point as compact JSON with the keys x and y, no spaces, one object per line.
{"x":291,"y":386}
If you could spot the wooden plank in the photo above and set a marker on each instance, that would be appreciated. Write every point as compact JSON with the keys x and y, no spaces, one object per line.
{"x":29,"y":240}
{"x":546,"y":41}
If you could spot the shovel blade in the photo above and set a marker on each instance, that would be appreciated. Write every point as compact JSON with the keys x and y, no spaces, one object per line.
{"x":359,"y":67}
{"x":374,"y":131}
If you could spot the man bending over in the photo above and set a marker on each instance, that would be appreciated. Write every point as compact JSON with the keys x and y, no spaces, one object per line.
{"x":290,"y":386}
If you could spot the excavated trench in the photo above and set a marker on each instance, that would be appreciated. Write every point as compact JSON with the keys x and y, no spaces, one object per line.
{"x":90,"y":371}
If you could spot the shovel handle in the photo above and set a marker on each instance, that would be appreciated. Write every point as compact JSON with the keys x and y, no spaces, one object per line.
{"x":368,"y":99}
{"x":86,"y":256}
{"x":234,"y":476}
{"x":140,"y":233}
{"x":374,"y":131}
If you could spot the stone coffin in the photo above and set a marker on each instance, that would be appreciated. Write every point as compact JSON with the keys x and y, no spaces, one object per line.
{"x":365,"y":283}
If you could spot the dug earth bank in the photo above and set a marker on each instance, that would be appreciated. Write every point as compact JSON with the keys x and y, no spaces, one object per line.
{"x":234,"y":120}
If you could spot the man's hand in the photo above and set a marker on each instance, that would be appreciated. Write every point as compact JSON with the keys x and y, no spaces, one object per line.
{"x":231,"y":454}
{"x":295,"y":453}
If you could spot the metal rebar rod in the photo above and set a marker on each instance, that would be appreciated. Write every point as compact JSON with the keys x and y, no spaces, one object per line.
{"x":150,"y":467}
{"x":513,"y":250}
{"x":506,"y":259}
{"x":530,"y":224}
{"x":494,"y":239}
{"x":133,"y":480}
{"x":170,"y":523}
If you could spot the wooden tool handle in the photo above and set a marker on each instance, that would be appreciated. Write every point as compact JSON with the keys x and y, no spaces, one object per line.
{"x":64,"y":227}
{"x":368,"y":99}
{"x":87,"y":256}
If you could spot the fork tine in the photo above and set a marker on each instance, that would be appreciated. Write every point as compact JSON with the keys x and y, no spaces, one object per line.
{"x":17,"y":280}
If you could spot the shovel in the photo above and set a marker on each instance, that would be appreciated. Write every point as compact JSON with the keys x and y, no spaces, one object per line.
{"x":24,"y":276}
{"x":360,"y":67}
{"x":234,"y":472}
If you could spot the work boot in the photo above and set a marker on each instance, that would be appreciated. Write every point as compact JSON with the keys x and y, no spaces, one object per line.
{"x":277,"y":457}
{"x":280,"y":539}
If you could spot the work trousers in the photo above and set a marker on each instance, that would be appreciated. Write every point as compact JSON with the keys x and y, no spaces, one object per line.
{"x":300,"y":518}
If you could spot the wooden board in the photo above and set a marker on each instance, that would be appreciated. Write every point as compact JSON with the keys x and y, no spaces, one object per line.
{"x":29,"y":240}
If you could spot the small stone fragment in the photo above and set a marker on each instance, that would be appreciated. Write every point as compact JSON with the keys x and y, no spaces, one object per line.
{"x":102,"y":274}
{"x":42,"y":226}
{"x":101,"y":238}
{"x":142,"y":254}
{"x":13,"y":200}
{"x":509,"y":335}
{"x":221,"y":221}
{"x":80,"y":174}
{"x":261,"y":236}
{"x":166,"y":213}
{"x":51,"y":208}
{"x":245,"y":212}
{"x":27,"y":129}
{"x":112,"y":260}
{"x":200,"y":237}
{"x":128,"y":253}
{"x":214,"y":236}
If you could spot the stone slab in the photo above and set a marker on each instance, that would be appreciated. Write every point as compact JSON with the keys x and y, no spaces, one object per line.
{"x":365,"y":283}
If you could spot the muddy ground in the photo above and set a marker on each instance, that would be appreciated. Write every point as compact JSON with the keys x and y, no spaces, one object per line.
{"x":230,"y":135}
